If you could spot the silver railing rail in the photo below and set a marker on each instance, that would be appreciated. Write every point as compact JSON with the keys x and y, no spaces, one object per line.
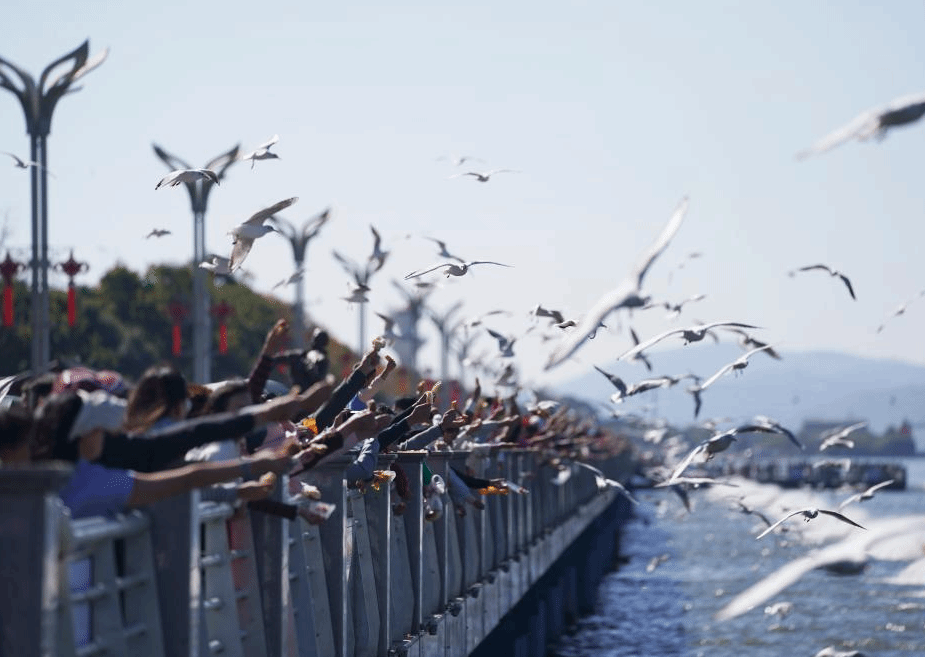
{"x":377,"y":578}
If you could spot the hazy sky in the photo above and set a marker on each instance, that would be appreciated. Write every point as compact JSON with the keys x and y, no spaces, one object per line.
{"x":612,"y":111}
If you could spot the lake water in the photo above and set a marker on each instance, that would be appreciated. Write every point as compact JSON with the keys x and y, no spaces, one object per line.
{"x":684,"y":567}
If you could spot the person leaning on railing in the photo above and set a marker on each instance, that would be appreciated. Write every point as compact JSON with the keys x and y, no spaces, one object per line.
{"x":60,"y":432}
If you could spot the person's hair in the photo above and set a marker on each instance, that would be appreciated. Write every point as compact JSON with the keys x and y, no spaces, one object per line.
{"x":404,"y":403}
{"x":52,"y":426}
{"x":37,"y":388}
{"x":220,"y":398}
{"x":320,"y":339}
{"x":161,"y":392}
{"x":15,"y":427}
{"x":198,"y":396}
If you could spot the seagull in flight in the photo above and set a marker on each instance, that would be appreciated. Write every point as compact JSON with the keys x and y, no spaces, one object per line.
{"x":748,"y":342}
{"x":181,"y":176}
{"x":866,"y":495}
{"x":642,"y":358}
{"x":505,"y":344}
{"x":808,"y":514}
{"x":689,"y":334}
{"x":872,"y":123}
{"x":647,"y":384}
{"x":831,"y":272}
{"x":22,"y":164}
{"x":628,"y":294}
{"x":555,"y":315}
{"x":459,"y":160}
{"x":899,"y":311}
{"x":615,"y":380}
{"x":483,"y":177}
{"x":262,"y":152}
{"x":453,"y":269}
{"x":839,"y":437}
{"x":738,"y":364}
{"x":378,"y":255}
{"x":444,"y":253}
{"x":218,"y":265}
{"x":245,"y":234}
{"x":157,"y":232}
{"x":603,"y":482}
{"x":292,"y":278}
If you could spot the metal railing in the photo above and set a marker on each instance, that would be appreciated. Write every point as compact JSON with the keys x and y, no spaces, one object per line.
{"x":373,"y":579}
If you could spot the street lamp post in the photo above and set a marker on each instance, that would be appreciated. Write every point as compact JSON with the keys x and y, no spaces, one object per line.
{"x":298,"y":240}
{"x":38,"y":101}
{"x":199,"y":198}
{"x":408,"y":341}
{"x":442,"y":322}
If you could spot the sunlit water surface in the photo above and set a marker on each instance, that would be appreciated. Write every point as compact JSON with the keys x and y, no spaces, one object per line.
{"x":684,"y":567}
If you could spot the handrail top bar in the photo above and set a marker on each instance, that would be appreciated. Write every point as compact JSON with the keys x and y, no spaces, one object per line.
{"x":98,"y":529}
{"x":212,"y":511}
{"x":50,"y":476}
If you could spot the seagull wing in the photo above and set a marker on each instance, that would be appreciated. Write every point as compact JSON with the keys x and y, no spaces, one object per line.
{"x":723,"y":370}
{"x":494,"y":171}
{"x":274,"y":139}
{"x":863,"y":125}
{"x":415,"y":274}
{"x":825,"y":268}
{"x":848,"y":285}
{"x":642,"y":346}
{"x":625,"y":293}
{"x":779,"y":522}
{"x":16,"y":159}
{"x":615,"y":380}
{"x":486,"y":262}
{"x":687,"y":461}
{"x":836,"y":514}
{"x":242,"y":246}
{"x":662,"y":242}
{"x":849,"y":500}
{"x":258,"y":217}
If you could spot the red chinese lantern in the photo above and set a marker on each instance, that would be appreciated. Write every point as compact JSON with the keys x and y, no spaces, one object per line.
{"x":8,"y":269}
{"x":71,"y":268}
{"x":178,"y":312}
{"x":221,"y":311}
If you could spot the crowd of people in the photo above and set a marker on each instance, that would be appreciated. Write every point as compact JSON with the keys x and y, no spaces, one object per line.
{"x":131,"y":446}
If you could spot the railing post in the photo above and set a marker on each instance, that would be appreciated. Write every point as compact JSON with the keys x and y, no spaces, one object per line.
{"x":30,"y":525}
{"x":176,"y":542}
{"x":379,"y":521}
{"x":328,"y":476}
{"x":414,"y":529}
{"x":271,"y":552}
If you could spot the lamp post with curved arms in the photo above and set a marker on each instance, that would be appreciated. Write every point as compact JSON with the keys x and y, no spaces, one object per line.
{"x":442,"y":322}
{"x":199,"y":198}
{"x":38,"y":100}
{"x":408,"y":341}
{"x":298,"y":240}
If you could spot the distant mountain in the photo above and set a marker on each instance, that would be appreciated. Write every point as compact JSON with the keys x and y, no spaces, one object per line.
{"x":803,"y":385}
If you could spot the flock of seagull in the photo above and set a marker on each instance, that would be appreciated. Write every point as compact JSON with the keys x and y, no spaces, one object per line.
{"x":628,"y":295}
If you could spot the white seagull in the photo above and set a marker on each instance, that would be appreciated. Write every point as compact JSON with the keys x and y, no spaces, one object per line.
{"x":483,"y":177}
{"x":292,"y":278}
{"x":453,"y":269}
{"x":262,"y":152}
{"x":839,"y":437}
{"x":218,"y":265}
{"x":808,"y":514}
{"x":505,"y":344}
{"x":872,"y":123}
{"x":866,"y":495}
{"x":245,"y":234}
{"x":181,"y":176}
{"x":738,"y":364}
{"x":628,"y":294}
{"x":689,"y":334}
{"x":22,"y":164}
{"x":157,"y":232}
{"x":444,"y":253}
